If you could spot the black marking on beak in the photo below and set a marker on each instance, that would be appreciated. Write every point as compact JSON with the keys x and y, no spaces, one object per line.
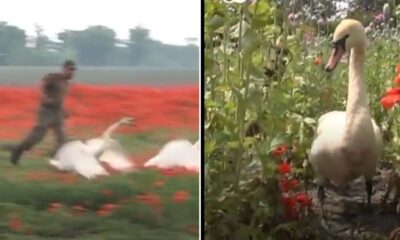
{"x":341,"y":43}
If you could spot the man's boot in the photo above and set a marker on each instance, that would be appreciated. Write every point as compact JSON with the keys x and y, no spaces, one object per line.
{"x":16,"y":155}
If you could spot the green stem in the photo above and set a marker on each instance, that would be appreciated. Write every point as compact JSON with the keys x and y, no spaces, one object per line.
{"x":212,"y":81}
{"x":240,"y":105}
{"x":226,"y":62}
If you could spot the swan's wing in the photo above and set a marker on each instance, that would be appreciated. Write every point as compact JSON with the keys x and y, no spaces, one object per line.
{"x":116,"y":157}
{"x":378,"y":137}
{"x":94,"y":145}
{"x":328,"y":135}
{"x":88,"y":166}
{"x":66,"y":154}
{"x":116,"y":147}
{"x":331,"y":121}
{"x":117,"y":160}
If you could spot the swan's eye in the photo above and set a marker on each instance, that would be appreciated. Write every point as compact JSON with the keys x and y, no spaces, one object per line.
{"x":341,"y":43}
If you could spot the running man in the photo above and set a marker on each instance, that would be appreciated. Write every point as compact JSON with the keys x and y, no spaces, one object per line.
{"x":51,"y":112}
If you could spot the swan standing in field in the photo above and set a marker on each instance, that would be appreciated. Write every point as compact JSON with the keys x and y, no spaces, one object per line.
{"x":84,"y":157}
{"x":348,"y":143}
{"x":177,"y":153}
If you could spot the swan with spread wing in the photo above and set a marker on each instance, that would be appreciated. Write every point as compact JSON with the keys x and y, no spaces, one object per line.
{"x":85,"y":157}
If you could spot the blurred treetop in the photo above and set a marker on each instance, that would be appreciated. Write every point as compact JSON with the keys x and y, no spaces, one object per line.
{"x":94,"y":46}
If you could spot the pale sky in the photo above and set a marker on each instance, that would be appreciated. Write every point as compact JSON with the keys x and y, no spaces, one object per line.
{"x":170,"y":21}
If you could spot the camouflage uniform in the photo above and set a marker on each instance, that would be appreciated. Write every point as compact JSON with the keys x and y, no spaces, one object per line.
{"x":50,"y":115}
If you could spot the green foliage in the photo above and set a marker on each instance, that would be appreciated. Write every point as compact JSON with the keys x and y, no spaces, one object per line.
{"x":242,"y":197}
{"x":93,"y":46}
{"x":30,"y":199}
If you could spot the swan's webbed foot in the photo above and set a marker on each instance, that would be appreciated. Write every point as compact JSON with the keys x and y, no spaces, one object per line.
{"x":368,"y":185}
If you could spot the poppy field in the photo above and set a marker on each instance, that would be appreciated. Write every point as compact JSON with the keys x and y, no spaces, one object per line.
{"x":265,"y":88}
{"x":39,"y":202}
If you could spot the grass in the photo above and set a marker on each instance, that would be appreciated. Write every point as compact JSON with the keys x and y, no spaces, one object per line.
{"x":28,"y":190}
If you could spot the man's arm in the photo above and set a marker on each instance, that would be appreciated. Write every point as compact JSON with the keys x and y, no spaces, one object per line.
{"x":48,"y":84}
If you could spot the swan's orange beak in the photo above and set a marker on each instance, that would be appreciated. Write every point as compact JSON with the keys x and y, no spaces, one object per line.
{"x":334,"y":59}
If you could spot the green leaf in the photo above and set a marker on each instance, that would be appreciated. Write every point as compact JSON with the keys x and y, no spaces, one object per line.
{"x":250,"y":42}
{"x":248,"y":142}
{"x":310,"y":121}
{"x":208,"y":63}
{"x":224,"y":87}
{"x":215,"y":22}
{"x":210,"y":146}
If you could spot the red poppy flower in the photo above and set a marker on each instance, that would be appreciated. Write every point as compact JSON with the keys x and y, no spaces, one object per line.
{"x":180,"y":196}
{"x":287,"y":185}
{"x":15,"y":223}
{"x":79,"y":209}
{"x":389,"y":101}
{"x":85,"y":105}
{"x":318,"y":61}
{"x":291,"y":212}
{"x":54,"y":207}
{"x":287,"y":201}
{"x":108,"y":207}
{"x":303,"y":199}
{"x":150,"y":199}
{"x":177,"y":171}
{"x":277,"y":152}
{"x":393,"y":91}
{"x":284,"y":168}
{"x":397,"y":79}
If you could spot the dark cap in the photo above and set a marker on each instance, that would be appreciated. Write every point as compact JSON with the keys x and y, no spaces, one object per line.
{"x":69,"y":63}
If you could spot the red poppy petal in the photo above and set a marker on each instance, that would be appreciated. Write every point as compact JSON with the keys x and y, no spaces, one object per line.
{"x":393,"y":91}
{"x":389,"y":101}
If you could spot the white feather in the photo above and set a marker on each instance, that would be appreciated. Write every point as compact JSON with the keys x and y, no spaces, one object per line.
{"x":113,"y":154}
{"x":76,"y":157}
{"x":177,"y":153}
{"x":84,"y":158}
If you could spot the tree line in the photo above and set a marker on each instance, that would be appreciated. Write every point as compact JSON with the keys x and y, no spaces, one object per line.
{"x":93,"y":46}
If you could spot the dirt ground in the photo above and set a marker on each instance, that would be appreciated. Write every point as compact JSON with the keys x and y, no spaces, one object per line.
{"x":347,"y":216}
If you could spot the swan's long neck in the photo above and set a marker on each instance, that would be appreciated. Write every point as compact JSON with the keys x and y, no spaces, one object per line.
{"x":357,"y":109}
{"x":107,"y":133}
{"x":107,"y":136}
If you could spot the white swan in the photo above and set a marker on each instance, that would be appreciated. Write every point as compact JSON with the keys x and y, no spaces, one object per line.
{"x":177,"y":153}
{"x":75,"y":157}
{"x":112,"y":152}
{"x":347,"y":144}
{"x":84,"y":157}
